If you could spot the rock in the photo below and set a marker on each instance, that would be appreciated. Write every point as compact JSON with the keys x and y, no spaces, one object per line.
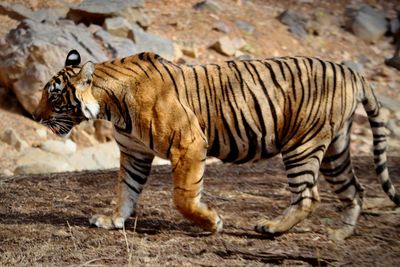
{"x":189,"y":49}
{"x":139,"y":16}
{"x":11,"y":137}
{"x":36,"y":160}
{"x":6,"y":173}
{"x":149,"y":42}
{"x":117,"y":26}
{"x":20,"y":12}
{"x":225,"y":46}
{"x":320,"y":23}
{"x":59,"y":147}
{"x":118,"y":46}
{"x":96,"y":11}
{"x":104,"y":131}
{"x":102,"y":156}
{"x":33,"y":52}
{"x":41,"y":132}
{"x":367,"y":23}
{"x":82,"y":138}
{"x":210,"y":5}
{"x":357,"y":67}
{"x":221,"y":27}
{"x":84,"y":134}
{"x":296,"y":22}
{"x":245,"y":26}
{"x":239,"y":43}
{"x":160,"y":161}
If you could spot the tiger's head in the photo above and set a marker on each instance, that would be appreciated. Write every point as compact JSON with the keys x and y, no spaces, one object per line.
{"x":67,"y":98}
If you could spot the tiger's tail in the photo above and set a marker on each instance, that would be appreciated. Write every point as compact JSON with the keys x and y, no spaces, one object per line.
{"x":378,"y":126}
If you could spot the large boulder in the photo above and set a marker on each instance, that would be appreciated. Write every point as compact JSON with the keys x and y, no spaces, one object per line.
{"x":21,"y":12}
{"x":96,"y":11}
{"x":33,"y":52}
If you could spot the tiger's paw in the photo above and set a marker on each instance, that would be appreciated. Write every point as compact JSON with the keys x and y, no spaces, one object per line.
{"x":218,"y":226}
{"x":269,"y":228}
{"x":340,"y":234}
{"x":107,"y":222}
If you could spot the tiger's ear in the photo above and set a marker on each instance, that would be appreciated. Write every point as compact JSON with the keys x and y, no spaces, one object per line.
{"x":86,"y":72}
{"x":73,"y":58}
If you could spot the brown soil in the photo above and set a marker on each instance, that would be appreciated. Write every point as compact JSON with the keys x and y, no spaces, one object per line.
{"x":44,"y":221}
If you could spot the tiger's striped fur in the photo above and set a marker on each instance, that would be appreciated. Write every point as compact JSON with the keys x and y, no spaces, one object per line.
{"x":238,"y":111}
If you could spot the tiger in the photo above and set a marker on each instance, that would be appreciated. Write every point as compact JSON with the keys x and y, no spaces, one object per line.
{"x":239,"y":111}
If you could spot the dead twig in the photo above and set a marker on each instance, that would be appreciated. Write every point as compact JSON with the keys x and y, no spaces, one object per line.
{"x":93,"y":260}
{"x":128,"y":250}
{"x":72,"y":236}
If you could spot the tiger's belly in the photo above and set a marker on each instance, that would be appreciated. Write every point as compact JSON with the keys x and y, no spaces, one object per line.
{"x":236,"y":149}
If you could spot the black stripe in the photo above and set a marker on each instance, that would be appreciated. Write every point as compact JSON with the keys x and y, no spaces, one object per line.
{"x":171,"y":142}
{"x":151,"y":144}
{"x":135,"y":177}
{"x":336,"y":171}
{"x":380,"y":168}
{"x":132,"y":187}
{"x":344,"y":187}
{"x":154,"y":66}
{"x":297,"y":174}
{"x":252,"y":141}
{"x":141,"y":68}
{"x":376,"y":124}
{"x":386,"y":185}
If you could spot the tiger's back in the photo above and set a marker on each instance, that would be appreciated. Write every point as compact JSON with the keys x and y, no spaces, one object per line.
{"x":265,"y":106}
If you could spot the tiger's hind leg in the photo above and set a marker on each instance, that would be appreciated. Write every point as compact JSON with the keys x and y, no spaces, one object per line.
{"x":302,"y":166}
{"x":338,"y":172}
{"x":134,"y":170}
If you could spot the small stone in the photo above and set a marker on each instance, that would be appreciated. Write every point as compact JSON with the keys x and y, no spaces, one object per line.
{"x":117,"y":26}
{"x":210,"y":5}
{"x":225,"y":46}
{"x":221,"y":27}
{"x":189,"y":49}
{"x":6,"y":173}
{"x":245,"y":26}
{"x":41,"y":132}
{"x":11,"y":137}
{"x":58,"y":147}
{"x":239,"y":43}
{"x":295,"y":21}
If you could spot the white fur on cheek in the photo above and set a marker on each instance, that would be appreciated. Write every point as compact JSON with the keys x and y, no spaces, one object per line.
{"x":91,"y":110}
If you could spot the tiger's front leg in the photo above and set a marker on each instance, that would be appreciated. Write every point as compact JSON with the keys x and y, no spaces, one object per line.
{"x":188,"y":168}
{"x":134,"y":170}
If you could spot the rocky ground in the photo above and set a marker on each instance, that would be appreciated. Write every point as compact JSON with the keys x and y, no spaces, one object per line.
{"x":191,"y":32}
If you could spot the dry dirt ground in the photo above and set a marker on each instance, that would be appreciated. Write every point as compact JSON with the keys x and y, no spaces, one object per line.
{"x":44,"y":221}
